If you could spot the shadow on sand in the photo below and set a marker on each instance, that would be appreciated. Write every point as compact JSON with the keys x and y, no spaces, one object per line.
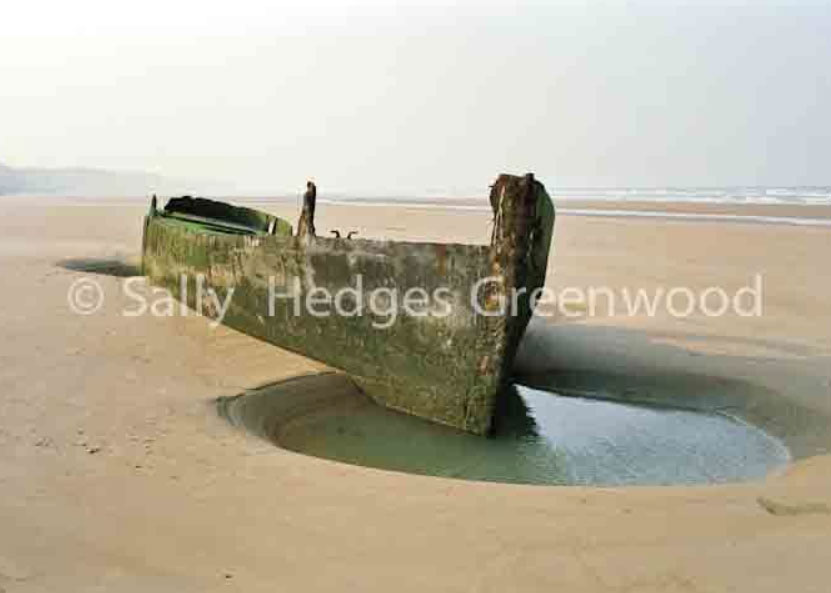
{"x":119,"y":267}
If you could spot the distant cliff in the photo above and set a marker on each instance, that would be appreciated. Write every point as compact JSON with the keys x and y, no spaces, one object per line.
{"x":86,"y":182}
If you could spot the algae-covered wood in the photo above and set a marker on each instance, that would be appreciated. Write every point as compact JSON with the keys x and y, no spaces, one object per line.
{"x":445,"y":362}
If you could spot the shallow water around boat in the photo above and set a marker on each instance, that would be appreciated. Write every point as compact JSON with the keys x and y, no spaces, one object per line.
{"x":543,"y":438}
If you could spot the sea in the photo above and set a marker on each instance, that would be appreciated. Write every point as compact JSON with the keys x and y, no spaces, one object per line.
{"x":732,"y":196}
{"x":570,"y":201}
{"x":800,"y":195}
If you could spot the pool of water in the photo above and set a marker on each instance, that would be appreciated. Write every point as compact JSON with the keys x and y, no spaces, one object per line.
{"x":543,"y":438}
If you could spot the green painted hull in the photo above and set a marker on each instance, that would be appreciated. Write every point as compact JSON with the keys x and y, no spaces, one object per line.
{"x":448,"y":368}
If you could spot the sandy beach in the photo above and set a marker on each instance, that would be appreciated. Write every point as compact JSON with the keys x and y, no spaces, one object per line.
{"x":118,"y":474}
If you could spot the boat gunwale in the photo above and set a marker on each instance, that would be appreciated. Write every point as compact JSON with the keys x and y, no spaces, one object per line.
{"x":199,"y":228}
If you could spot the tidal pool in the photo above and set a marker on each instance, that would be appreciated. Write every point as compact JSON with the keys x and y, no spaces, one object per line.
{"x":540,"y":438}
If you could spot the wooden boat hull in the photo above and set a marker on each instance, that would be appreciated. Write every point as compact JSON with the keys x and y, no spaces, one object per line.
{"x":446,"y":363}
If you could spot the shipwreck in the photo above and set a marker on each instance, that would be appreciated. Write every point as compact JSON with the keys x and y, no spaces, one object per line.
{"x":448,"y":363}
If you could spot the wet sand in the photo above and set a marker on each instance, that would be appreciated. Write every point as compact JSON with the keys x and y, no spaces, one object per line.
{"x":774,"y":210}
{"x":118,"y":474}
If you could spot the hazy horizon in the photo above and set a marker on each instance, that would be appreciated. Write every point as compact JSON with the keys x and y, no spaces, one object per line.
{"x":372,"y":98}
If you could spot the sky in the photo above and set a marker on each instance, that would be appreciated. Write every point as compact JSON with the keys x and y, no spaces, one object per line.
{"x":421,"y":97}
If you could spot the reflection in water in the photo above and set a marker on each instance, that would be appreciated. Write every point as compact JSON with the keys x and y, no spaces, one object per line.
{"x":543,"y":438}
